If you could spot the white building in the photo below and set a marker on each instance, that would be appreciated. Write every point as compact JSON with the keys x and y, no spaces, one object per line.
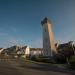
{"x":36,"y":51}
{"x":1,"y":50}
{"x":24,"y":51}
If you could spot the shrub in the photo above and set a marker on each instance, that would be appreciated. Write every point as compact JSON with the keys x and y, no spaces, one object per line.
{"x":72,"y":62}
{"x":59,"y":58}
{"x":42,"y":59}
{"x":33,"y":58}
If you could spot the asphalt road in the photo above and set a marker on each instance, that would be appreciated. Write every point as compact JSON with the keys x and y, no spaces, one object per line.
{"x":17,"y":67}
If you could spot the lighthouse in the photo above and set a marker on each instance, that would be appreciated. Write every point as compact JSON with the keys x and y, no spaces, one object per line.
{"x":48,"y":39}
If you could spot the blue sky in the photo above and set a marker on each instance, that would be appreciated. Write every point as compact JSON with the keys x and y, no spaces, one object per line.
{"x":20,"y":21}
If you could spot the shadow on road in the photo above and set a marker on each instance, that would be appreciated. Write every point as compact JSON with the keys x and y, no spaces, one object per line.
{"x":11,"y":67}
{"x":45,"y":67}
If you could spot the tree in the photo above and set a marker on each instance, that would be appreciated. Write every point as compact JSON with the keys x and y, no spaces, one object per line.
{"x":67,"y":50}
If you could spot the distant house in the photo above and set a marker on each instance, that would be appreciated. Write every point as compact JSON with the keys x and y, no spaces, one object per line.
{"x":63,"y":46}
{"x":12,"y":50}
{"x":24,"y":51}
{"x":1,"y":50}
{"x":36,"y":51}
{"x":66,"y":48}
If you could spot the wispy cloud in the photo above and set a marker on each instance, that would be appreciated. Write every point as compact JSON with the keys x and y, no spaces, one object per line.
{"x":3,"y":34}
{"x":37,"y":43}
{"x":65,"y":35}
{"x":14,"y":29}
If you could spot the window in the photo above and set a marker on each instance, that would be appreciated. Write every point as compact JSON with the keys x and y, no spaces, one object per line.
{"x":45,"y":29}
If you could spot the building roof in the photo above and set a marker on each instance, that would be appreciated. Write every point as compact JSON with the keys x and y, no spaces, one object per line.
{"x":1,"y":48}
{"x":35,"y":49}
{"x":60,"y":46}
{"x":24,"y":47}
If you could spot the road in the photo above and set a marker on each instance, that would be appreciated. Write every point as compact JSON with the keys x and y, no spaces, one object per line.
{"x":17,"y":67}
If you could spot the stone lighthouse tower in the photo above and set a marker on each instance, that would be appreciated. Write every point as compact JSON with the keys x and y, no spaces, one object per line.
{"x":48,"y":39}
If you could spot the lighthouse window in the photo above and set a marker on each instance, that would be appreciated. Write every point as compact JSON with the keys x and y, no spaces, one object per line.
{"x":46,"y":40}
{"x":45,"y":30}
